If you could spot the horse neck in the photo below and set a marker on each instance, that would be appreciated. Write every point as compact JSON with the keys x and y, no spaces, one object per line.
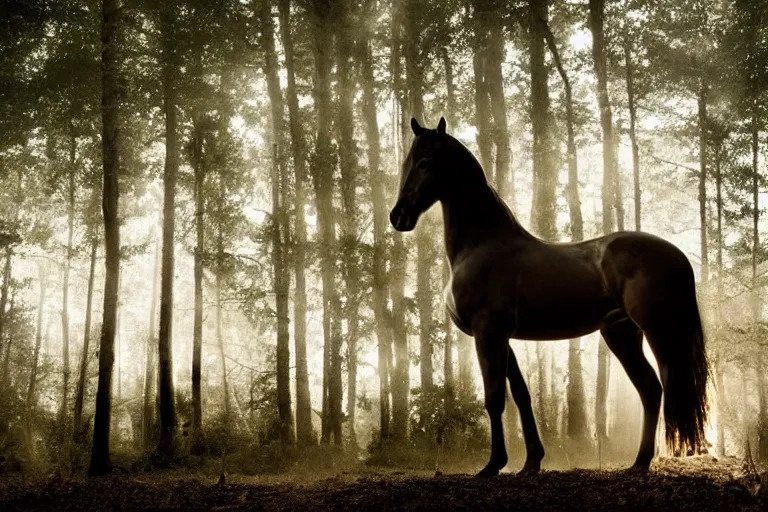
{"x":474,"y":213}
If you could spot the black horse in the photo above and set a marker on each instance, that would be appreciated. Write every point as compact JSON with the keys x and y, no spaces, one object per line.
{"x":506,"y":283}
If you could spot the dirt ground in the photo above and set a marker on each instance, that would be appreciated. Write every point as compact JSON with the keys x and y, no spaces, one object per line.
{"x":689,"y":484}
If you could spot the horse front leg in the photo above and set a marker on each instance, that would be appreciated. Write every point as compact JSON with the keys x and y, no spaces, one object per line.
{"x":492,"y":354}
{"x":534,"y":450}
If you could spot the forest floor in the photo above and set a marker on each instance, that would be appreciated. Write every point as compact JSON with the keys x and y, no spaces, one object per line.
{"x":697,"y":483}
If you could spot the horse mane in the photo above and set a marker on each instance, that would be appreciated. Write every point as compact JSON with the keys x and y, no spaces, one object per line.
{"x":470,"y":166}
{"x":469,"y":162}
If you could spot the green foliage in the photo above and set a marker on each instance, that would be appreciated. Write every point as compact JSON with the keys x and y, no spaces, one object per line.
{"x":438,"y":419}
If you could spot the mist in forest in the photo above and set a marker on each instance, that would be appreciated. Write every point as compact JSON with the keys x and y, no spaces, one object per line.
{"x":197,"y":265}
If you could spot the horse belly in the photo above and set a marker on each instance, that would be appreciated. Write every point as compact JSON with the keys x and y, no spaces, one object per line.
{"x":549,"y":332}
{"x":558,"y":320}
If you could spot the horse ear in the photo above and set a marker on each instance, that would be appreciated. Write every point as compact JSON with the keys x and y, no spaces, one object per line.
{"x":417,"y":129}
{"x":441,"y":126}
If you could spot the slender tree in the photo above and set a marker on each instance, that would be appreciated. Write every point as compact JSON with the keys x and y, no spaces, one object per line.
{"x":282,"y":278}
{"x":632,"y":107}
{"x":197,"y":159}
{"x":381,"y":311}
{"x":82,"y":375}
{"x":4,"y":292}
{"x":70,"y":250}
{"x":544,"y":165}
{"x":322,"y":180}
{"x":481,"y":14}
{"x":221,"y":270}
{"x":110,"y":9}
{"x":494,"y":83}
{"x":399,"y":369}
{"x":281,"y":285}
{"x":703,"y":228}
{"x":150,"y":361}
{"x":31,"y":389}
{"x":304,"y":435}
{"x":166,"y":443}
{"x":348,"y":167}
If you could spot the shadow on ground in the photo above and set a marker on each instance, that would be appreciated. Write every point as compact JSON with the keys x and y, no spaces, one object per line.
{"x":692,"y":484}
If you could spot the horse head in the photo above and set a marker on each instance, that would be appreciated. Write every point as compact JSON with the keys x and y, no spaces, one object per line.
{"x":421,"y":183}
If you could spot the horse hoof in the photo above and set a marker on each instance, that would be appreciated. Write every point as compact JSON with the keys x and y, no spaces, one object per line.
{"x":530,"y":468}
{"x":638,"y":469}
{"x":487,"y":472}
{"x":491,"y":469}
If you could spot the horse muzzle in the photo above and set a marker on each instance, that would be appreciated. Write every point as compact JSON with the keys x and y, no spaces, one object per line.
{"x":401,"y":219}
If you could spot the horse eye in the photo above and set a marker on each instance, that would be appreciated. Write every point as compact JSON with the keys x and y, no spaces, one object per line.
{"x":423,"y":164}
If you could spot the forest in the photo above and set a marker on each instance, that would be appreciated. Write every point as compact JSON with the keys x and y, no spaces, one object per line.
{"x":202,"y":296}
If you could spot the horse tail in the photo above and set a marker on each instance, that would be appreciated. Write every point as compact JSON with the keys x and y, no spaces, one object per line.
{"x":684,"y":372}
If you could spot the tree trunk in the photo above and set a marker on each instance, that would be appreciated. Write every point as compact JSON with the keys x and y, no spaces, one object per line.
{"x":480,"y":50}
{"x":322,"y":181}
{"x":335,"y":390}
{"x":596,"y":13}
{"x":304,"y":433}
{"x":281,"y":284}
{"x":544,"y":168}
{"x":65,"y":281}
{"x":466,"y":352}
{"x":633,"y":130}
{"x":351,"y":216}
{"x":223,"y":359}
{"x":198,"y":167}
{"x":762,"y":411}
{"x":7,"y":356}
{"x":494,"y":82}
{"x":577,"y":424}
{"x":83,"y":374}
{"x":118,"y":344}
{"x":31,"y":401}
{"x":31,"y":398}
{"x":399,"y":369}
{"x":100,"y":460}
{"x":755,"y":218}
{"x":166,"y":443}
{"x":617,"y":189}
{"x":702,"y":103}
{"x":718,"y":357}
{"x":721,"y":410}
{"x":719,"y":207}
{"x":379,"y":261}
{"x":4,"y":289}
{"x":424,"y":294}
{"x":148,"y":405}
{"x":543,"y":408}
{"x":281,"y":278}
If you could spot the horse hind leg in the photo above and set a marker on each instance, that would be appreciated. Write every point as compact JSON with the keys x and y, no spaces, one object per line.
{"x":625,"y":340}
{"x":533,"y":447}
